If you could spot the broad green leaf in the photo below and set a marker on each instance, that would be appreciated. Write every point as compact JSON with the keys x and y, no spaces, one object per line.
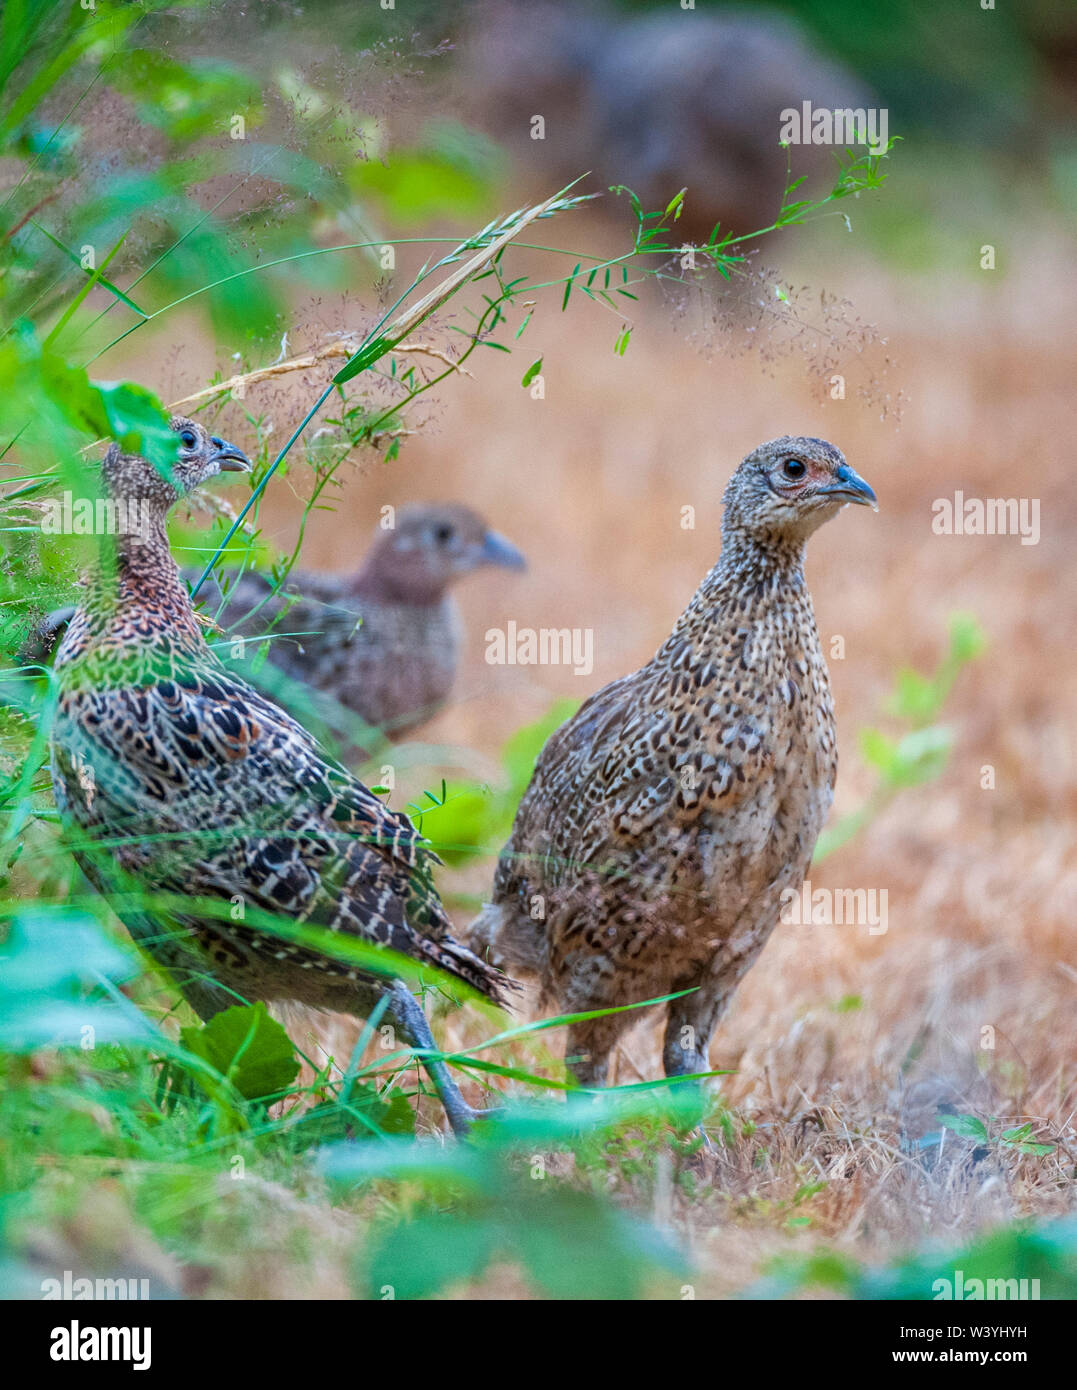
{"x":575,"y":1246}
{"x":49,"y":959}
{"x":421,"y":1257}
{"x":247,"y":1047}
{"x":139,"y":423}
{"x":967,"y":1126}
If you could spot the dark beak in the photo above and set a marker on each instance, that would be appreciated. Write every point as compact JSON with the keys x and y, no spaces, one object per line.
{"x":496,"y":550}
{"x":229,"y":459}
{"x":851,"y":487}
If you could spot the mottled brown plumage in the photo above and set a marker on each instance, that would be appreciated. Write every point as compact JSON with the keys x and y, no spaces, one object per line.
{"x":384,"y":641}
{"x":181,"y":782}
{"x":663,"y":820}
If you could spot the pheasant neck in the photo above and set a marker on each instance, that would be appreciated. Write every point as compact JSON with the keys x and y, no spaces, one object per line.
{"x":376,"y":586}
{"x":750,"y":559}
{"x":136,"y":574}
{"x":751,"y":578}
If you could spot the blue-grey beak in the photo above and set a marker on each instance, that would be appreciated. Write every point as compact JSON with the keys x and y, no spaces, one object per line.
{"x":229,"y":459}
{"x":851,"y":487}
{"x":496,"y":550}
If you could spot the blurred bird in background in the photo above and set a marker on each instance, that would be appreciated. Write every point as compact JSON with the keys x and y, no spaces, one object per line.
{"x":658,"y":102}
{"x":384,"y":642}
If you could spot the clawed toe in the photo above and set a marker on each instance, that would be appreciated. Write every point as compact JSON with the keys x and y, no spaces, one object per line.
{"x":461,"y":1117}
{"x":491,"y":1112}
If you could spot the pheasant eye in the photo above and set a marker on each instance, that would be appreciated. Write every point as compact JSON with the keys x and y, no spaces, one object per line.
{"x":793,"y":468}
{"x":188,"y":439}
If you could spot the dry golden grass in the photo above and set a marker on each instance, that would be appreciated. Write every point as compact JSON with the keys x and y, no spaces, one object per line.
{"x":590,"y":481}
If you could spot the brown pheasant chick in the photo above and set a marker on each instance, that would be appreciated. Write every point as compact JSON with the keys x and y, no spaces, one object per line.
{"x":663,"y":821}
{"x":384,"y":641}
{"x":213,"y":821}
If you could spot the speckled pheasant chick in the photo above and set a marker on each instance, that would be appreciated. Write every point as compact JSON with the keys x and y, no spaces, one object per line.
{"x":384,"y":641}
{"x":663,"y":821}
{"x":207,"y":814}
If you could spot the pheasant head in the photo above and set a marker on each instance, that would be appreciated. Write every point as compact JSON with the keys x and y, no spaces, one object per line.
{"x":201,"y":457}
{"x":430,"y":547}
{"x":786,"y":489}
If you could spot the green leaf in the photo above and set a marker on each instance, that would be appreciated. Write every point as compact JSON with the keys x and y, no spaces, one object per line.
{"x":58,"y":59}
{"x":107,"y":284}
{"x":574,"y":1246}
{"x":531,"y":373}
{"x":95,"y":277}
{"x":568,"y":286}
{"x":473,"y":819}
{"x":967,"y":1126}
{"x":878,"y":750}
{"x":363,"y":1113}
{"x":1020,"y":1140}
{"x":418,"y":1258}
{"x":675,"y":206}
{"x":186,"y":99}
{"x":915,"y":696}
{"x":366,"y":356}
{"x":1047,"y":1252}
{"x":967,"y":638}
{"x":637,"y":207}
{"x":48,"y":959}
{"x":557,"y":1124}
{"x":921,"y":755}
{"x":139,"y":423}
{"x":247,"y":1047}
{"x":406,"y":1161}
{"x":468,"y":821}
{"x":519,"y":754}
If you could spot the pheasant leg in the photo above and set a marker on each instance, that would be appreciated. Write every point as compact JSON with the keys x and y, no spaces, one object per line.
{"x":685,"y":1048}
{"x":411,"y":1023}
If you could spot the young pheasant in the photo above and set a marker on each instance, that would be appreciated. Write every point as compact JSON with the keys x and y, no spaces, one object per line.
{"x":384,"y":641}
{"x":663,"y":820}
{"x":186,"y":783}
